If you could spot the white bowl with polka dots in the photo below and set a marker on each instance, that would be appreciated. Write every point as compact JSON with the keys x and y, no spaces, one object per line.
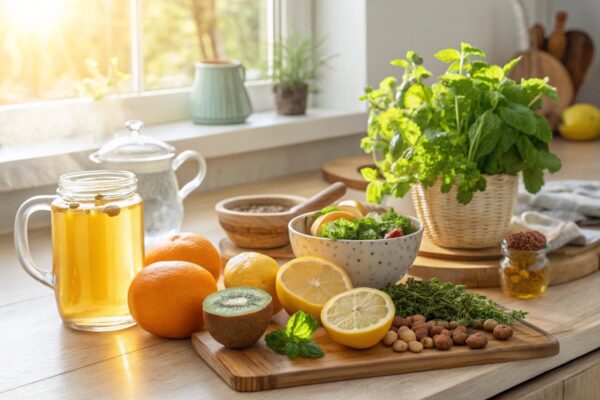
{"x":370,"y":263}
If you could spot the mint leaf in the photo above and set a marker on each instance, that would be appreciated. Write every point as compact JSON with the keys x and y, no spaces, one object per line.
{"x":533,"y":178}
{"x":370,"y":174}
{"x":310,"y":349}
{"x":301,"y":325}
{"x":466,"y":48}
{"x":511,"y":64}
{"x":519,"y":117}
{"x":447,"y":55}
{"x":296,"y":339}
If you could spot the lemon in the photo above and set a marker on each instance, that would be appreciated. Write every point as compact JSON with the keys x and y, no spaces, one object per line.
{"x":345,"y":205}
{"x":255,"y":270}
{"x":306,"y":283}
{"x":317,"y":226}
{"x":358,"y":318}
{"x":580,"y":122}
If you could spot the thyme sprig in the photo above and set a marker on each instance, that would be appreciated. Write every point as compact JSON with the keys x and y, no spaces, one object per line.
{"x":447,"y":301}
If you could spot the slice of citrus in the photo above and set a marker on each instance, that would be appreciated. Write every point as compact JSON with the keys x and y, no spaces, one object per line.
{"x":344,"y":204}
{"x":358,"y":318}
{"x":317,"y":226}
{"x":306,"y":283}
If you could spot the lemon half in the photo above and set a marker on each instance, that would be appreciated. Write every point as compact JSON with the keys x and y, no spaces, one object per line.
{"x":358,"y":318}
{"x":306,"y":283}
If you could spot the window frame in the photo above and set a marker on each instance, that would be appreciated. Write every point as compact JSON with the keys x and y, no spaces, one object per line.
{"x":168,"y":105}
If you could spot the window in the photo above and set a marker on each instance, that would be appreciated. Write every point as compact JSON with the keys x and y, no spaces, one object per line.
{"x":48,"y":47}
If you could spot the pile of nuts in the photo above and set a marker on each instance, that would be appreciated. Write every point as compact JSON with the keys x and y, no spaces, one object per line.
{"x":415,"y":333}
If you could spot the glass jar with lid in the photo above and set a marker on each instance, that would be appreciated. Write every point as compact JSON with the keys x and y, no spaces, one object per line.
{"x":525,"y":268}
{"x":154,"y":162}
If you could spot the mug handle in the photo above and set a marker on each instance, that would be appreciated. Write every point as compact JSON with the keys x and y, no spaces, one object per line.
{"x":197,"y":180}
{"x":37,"y":203}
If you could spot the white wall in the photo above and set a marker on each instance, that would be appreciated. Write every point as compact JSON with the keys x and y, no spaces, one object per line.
{"x":367,"y":34}
{"x":426,"y":26}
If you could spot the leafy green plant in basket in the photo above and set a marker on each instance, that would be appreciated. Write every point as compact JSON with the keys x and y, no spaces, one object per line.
{"x":474,"y":121}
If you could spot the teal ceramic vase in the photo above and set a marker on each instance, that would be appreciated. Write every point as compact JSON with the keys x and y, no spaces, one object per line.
{"x":218,"y":94}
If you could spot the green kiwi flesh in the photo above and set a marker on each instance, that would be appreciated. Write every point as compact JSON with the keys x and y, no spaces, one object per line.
{"x":237,"y":317}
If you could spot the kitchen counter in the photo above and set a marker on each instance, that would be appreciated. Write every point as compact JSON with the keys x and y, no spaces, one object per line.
{"x":39,"y":358}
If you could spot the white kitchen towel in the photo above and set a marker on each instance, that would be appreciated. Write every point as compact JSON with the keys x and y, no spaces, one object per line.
{"x":556,"y":210}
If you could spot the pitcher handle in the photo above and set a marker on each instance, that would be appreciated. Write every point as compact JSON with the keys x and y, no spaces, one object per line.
{"x":197,"y":180}
{"x":243,"y":73}
{"x":37,"y":203}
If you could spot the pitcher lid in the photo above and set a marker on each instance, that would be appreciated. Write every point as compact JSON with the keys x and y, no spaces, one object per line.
{"x":133,"y":147}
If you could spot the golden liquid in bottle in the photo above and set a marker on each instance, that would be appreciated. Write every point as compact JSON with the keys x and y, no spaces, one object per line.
{"x":98,"y":247}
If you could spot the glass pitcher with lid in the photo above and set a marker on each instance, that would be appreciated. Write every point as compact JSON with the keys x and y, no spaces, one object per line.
{"x":154,"y":162}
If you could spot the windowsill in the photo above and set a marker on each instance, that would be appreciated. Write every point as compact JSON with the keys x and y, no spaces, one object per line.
{"x":263,"y":130}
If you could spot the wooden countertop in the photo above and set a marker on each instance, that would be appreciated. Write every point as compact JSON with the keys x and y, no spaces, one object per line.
{"x":39,"y":358}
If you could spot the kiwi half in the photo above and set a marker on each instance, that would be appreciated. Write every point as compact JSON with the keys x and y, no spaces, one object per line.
{"x":237,"y":317}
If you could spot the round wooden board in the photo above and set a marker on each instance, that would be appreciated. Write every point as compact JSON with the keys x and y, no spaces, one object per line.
{"x":484,"y":274}
{"x":431,"y":250}
{"x":229,"y":249}
{"x":347,"y":170}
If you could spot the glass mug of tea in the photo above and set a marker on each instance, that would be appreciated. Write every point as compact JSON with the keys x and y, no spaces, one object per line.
{"x":97,"y":247}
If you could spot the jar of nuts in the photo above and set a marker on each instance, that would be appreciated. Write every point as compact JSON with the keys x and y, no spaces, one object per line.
{"x":525,"y":269}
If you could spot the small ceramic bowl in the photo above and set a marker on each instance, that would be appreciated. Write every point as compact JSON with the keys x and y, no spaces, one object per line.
{"x":257,"y":230}
{"x":370,"y":263}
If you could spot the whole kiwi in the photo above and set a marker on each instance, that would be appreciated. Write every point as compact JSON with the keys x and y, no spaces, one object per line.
{"x":237,"y":317}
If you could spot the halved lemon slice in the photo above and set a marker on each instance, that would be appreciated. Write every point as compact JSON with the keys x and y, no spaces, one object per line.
{"x":358,"y":318}
{"x":317,"y":226}
{"x":344,"y":205}
{"x":306,"y":283}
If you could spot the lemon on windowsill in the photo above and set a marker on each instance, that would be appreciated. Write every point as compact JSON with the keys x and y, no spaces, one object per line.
{"x":580,"y":122}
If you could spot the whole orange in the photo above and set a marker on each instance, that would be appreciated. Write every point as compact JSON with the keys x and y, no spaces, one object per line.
{"x":186,"y":246}
{"x":165,"y":298}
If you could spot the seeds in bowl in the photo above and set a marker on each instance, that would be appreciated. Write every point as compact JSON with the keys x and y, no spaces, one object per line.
{"x":260,"y":208}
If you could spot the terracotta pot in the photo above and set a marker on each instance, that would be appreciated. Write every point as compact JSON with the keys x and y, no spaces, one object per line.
{"x":291,"y":99}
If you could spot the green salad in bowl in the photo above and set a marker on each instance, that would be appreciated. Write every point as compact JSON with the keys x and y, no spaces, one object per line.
{"x":373,"y":226}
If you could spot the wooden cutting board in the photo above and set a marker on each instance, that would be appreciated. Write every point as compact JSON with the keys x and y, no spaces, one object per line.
{"x":259,"y":368}
{"x":347,"y":170}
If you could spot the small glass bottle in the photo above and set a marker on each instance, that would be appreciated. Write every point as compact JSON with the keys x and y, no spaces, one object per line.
{"x":524,"y":274}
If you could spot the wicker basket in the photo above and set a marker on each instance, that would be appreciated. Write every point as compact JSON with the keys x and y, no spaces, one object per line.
{"x":481,"y":223}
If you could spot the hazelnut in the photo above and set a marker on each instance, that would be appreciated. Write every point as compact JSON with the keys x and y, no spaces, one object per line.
{"x":443,"y":324}
{"x":420,"y":325}
{"x":453,"y":324}
{"x":418,"y":317}
{"x":459,"y":338}
{"x":111,"y":210}
{"x":427,"y":342}
{"x":461,"y":328}
{"x":399,"y":321}
{"x":407,"y":335}
{"x":489,"y":324}
{"x":478,"y":324}
{"x":390,"y":338}
{"x":421,"y":333}
{"x":502,"y":332}
{"x":415,"y":347}
{"x":403,"y":328}
{"x":400,"y":346}
{"x":445,"y":332}
{"x":477,"y":341}
{"x":435,"y":330}
{"x":442,"y":342}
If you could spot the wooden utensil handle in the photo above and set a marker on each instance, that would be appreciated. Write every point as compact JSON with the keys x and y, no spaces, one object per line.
{"x":321,"y":199}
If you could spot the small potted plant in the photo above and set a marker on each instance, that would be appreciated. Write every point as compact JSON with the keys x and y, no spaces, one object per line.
{"x":295,"y":68}
{"x":459,"y":144}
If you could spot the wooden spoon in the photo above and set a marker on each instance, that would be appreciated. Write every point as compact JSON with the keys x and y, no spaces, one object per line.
{"x":579,"y":56}
{"x":320,"y":200}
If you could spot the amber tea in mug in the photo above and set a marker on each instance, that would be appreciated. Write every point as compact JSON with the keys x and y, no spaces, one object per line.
{"x":97,"y":247}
